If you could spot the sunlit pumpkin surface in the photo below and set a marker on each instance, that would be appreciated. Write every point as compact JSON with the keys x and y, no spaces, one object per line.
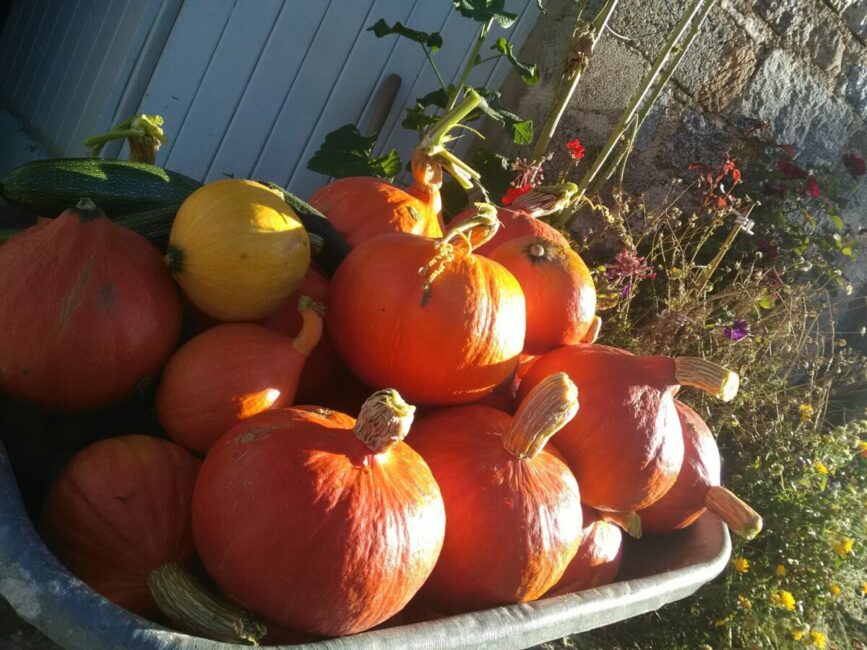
{"x":297,"y":519}
{"x":598,"y":558}
{"x":237,"y":250}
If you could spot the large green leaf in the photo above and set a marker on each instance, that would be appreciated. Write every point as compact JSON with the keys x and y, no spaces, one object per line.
{"x":520,"y":130}
{"x":346,"y":152}
{"x":485,"y":10}
{"x":496,"y":171}
{"x":433,"y":40}
{"x":417,"y":118}
{"x":529,"y":71}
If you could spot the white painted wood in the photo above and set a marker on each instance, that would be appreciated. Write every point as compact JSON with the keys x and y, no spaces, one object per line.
{"x":28,"y":27}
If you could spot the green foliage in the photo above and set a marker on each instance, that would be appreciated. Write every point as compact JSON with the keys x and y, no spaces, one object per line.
{"x":529,"y":71}
{"x":484,"y":10}
{"x":430,"y":40}
{"x":346,"y":152}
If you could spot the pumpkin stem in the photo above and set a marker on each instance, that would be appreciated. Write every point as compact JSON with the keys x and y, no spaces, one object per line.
{"x":628,"y":521}
{"x":546,"y":409}
{"x":87,"y":210}
{"x":709,"y":377}
{"x":143,"y":132}
{"x":384,"y":420}
{"x":186,"y":602}
{"x":311,"y":325}
{"x":546,"y":199}
{"x":738,"y":515}
{"x":431,"y":151}
{"x":478,"y":229}
{"x":593,"y":333}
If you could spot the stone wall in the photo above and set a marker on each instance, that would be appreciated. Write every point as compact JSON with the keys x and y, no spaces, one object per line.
{"x":800,"y":65}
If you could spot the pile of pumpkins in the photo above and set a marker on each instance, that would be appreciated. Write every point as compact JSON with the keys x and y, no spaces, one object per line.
{"x":286,"y":401}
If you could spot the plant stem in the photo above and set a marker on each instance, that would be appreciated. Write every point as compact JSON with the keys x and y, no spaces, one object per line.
{"x":711,"y":268}
{"x":584,"y":39}
{"x":631,"y":110}
{"x":435,"y":69}
{"x":471,"y":62}
{"x":657,"y":90}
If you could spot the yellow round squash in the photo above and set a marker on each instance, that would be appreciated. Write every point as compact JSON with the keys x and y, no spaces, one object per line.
{"x":237,"y":250}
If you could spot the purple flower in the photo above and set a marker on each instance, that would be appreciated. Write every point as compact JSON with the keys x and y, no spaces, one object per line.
{"x":625,"y":290}
{"x":737,"y":330}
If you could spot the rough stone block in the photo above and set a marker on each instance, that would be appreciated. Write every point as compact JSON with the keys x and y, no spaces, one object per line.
{"x":856,"y":88}
{"x":801,"y":110}
{"x":826,"y":47}
{"x":855,"y":16}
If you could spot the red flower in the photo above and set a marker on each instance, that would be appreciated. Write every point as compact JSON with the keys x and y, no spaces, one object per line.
{"x":514,"y":193}
{"x":790,"y":169}
{"x":854,"y":164}
{"x":812,"y":187}
{"x":789,"y":149}
{"x":576,"y":149}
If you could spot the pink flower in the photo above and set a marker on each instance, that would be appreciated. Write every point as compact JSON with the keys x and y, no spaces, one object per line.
{"x":738,"y":330}
{"x":812,"y":187}
{"x":854,"y":165}
{"x":576,"y":149}
{"x":790,"y":169}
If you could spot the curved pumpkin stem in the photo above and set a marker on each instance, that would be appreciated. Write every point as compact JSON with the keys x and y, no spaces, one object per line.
{"x":546,"y":409}
{"x":708,"y":376}
{"x":737,"y":514}
{"x":143,"y":132}
{"x":432,"y":147}
{"x":546,"y":199}
{"x":186,"y":602}
{"x":478,"y":229}
{"x":384,"y":420}
{"x":593,"y":332}
{"x":311,"y":325}
{"x":628,"y":521}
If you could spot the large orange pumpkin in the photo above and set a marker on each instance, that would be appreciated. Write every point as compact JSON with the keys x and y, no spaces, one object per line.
{"x":513,"y":508}
{"x":558,"y":290}
{"x":697,"y":487}
{"x":88,"y":310}
{"x":440,"y":324}
{"x":119,"y":510}
{"x":320,"y":523}
{"x":625,"y":446}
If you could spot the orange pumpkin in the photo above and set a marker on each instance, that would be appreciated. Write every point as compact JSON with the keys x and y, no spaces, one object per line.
{"x":119,"y":510}
{"x":698,"y":487}
{"x":229,"y":373}
{"x":321,"y":524}
{"x":558,"y":289}
{"x":625,"y":446}
{"x":513,"y":508}
{"x":440,"y":324}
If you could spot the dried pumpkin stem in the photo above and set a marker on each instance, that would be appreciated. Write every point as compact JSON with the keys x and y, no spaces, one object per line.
{"x":144,"y":134}
{"x":543,"y":200}
{"x":708,"y":376}
{"x":737,"y":514}
{"x":186,"y":602}
{"x":546,"y":409}
{"x":311,"y":325}
{"x":384,"y":420}
{"x":478,"y":229}
{"x":628,"y":521}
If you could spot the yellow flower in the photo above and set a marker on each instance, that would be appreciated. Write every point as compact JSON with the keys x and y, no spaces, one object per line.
{"x":780,"y":570}
{"x":862,"y":447}
{"x":721,"y":621}
{"x":745,"y":602}
{"x":818,"y":638}
{"x":819,"y":466}
{"x":783,"y":599}
{"x":799,"y":633}
{"x":864,"y":588}
{"x":806,"y":412}
{"x":741,"y":564}
{"x":843,"y":546}
{"x":835,"y":589}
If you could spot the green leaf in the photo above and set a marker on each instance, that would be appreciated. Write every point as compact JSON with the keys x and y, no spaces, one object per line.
{"x":485,"y":10}
{"x":346,"y":152}
{"x":433,"y":40}
{"x":417,"y":119}
{"x":496,"y":171}
{"x":838,"y":222}
{"x":521,"y":131}
{"x":529,"y":71}
{"x":765,"y":300}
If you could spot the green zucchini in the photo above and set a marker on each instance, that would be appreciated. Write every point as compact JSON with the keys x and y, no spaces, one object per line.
{"x":118,"y":187}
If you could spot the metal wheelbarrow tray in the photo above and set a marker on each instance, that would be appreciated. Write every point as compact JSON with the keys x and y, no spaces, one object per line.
{"x":655,"y":571}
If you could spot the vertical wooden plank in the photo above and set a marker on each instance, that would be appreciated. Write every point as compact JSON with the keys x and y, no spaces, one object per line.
{"x":75,"y":103}
{"x":270,"y":83}
{"x":137,"y":16}
{"x":222,"y":87}
{"x":353,"y":88}
{"x":50,"y":82}
{"x":83,"y":44}
{"x":34,"y":15}
{"x":10,"y":35}
{"x":183,"y":64}
{"x":46,"y":50}
{"x":340,"y":27}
